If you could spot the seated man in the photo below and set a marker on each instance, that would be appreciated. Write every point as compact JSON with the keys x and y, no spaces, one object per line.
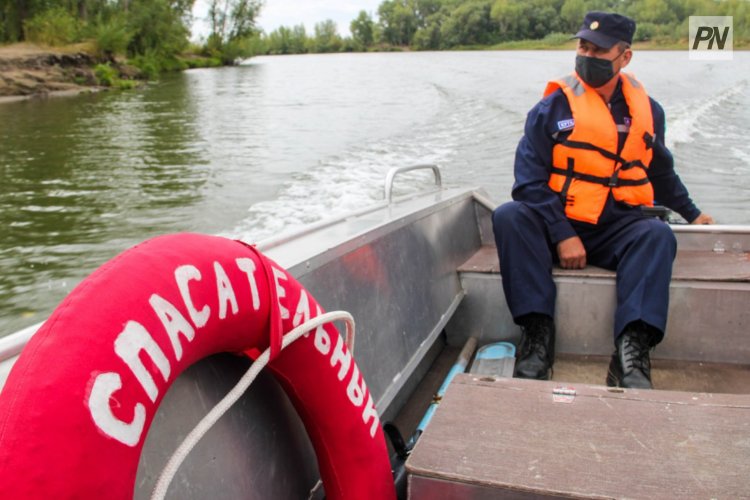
{"x":591,"y":157}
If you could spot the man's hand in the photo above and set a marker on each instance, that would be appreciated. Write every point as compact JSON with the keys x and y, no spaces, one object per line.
{"x":703,"y":219}
{"x":572,"y":253}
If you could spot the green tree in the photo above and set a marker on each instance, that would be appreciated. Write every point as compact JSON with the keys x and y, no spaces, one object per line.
{"x":232,"y":26}
{"x":423,"y":9}
{"x":652,"y":11}
{"x":572,"y":13}
{"x":532,"y":19}
{"x":298,"y":41}
{"x":111,"y":34}
{"x":363,"y":30}
{"x":231,"y":19}
{"x":429,"y":36}
{"x":469,"y":24}
{"x":740,"y":10}
{"x":398,"y":22}
{"x":14,"y":16}
{"x":327,"y":38}
{"x":285,"y":40}
{"x":55,"y":26}
{"x":157,"y":29}
{"x":279,"y":41}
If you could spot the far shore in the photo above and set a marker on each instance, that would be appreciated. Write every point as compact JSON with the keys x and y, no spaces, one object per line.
{"x":29,"y":71}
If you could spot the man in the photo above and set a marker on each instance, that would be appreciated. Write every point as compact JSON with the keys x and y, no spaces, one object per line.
{"x":591,"y":157}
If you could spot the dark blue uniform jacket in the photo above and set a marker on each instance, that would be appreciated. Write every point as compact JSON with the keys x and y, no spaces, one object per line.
{"x":549,"y":122}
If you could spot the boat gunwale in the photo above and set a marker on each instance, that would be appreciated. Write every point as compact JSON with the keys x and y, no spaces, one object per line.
{"x":408,"y":207}
{"x":427,"y":202}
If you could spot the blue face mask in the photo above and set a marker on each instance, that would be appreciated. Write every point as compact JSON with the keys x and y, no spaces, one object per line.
{"x":594,"y":71}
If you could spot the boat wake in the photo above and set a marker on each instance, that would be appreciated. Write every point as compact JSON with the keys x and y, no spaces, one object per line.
{"x":354,"y":179}
{"x":706,"y":118}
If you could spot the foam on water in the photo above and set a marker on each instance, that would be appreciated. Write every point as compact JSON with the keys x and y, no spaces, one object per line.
{"x":742,"y":153}
{"x":693,"y":118}
{"x":340,"y":185}
{"x":354,"y":179}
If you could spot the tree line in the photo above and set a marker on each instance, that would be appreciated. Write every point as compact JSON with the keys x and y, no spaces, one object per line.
{"x":452,"y":24}
{"x":154,"y":34}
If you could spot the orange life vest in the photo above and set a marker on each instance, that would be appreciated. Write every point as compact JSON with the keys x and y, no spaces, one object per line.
{"x":587,"y":166}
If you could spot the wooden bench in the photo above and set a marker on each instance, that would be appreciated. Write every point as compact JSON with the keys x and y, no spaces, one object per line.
{"x":511,"y":438}
{"x":690,"y":265}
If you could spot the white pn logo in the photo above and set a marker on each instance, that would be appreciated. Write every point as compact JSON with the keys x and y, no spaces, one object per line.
{"x":710,"y":37}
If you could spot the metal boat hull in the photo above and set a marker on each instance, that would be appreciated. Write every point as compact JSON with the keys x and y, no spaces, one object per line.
{"x":395,"y":267}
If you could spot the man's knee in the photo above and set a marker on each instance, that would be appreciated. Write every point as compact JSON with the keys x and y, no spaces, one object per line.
{"x":661,"y":235}
{"x":504,"y":213}
{"x":510,"y":215}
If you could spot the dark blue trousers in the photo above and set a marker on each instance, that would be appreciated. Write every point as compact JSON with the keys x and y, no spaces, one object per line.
{"x":640,"y":249}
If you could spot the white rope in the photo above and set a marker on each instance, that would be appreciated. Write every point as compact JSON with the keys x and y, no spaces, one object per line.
{"x":238,"y":390}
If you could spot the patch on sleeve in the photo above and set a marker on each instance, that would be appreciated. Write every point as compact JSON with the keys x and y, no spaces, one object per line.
{"x":565,"y":124}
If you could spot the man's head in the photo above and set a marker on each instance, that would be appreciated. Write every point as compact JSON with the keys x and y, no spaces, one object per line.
{"x":603,"y":47}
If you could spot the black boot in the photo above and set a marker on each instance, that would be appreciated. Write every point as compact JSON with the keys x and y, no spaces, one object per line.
{"x":536,"y":352}
{"x":631,"y":365}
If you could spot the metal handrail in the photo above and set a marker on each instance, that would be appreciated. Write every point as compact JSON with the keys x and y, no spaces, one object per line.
{"x":399,"y":170}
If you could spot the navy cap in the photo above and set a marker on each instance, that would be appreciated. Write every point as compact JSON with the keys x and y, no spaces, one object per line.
{"x":605,"y":29}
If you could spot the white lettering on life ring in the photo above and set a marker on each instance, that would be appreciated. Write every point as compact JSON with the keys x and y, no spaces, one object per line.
{"x":342,"y":356}
{"x":302,"y":314}
{"x":135,"y":340}
{"x":321,"y":339}
{"x":104,"y":386}
{"x":183,"y":275}
{"x":225,"y":291}
{"x":278,"y":274}
{"x":248,"y":267}
{"x":129,"y":344}
{"x":174,"y":323}
{"x":371,"y":414}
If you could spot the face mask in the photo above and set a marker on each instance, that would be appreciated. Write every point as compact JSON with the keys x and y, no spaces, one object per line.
{"x":594,"y":71}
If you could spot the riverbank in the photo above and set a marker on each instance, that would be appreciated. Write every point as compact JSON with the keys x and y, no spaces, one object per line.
{"x":31,"y":71}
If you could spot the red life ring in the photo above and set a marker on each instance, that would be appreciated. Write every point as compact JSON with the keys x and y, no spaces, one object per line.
{"x":78,"y":403}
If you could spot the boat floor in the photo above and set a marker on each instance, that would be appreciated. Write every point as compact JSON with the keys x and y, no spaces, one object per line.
{"x":413,"y":411}
{"x":668,"y":375}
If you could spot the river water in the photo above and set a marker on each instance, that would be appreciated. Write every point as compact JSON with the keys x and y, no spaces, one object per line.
{"x":284,"y":141}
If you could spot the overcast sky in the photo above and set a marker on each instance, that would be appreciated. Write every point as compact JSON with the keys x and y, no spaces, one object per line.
{"x":290,"y":13}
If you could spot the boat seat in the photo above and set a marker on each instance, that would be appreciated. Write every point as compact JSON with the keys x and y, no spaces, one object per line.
{"x":708,"y":296}
{"x":690,"y":265}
